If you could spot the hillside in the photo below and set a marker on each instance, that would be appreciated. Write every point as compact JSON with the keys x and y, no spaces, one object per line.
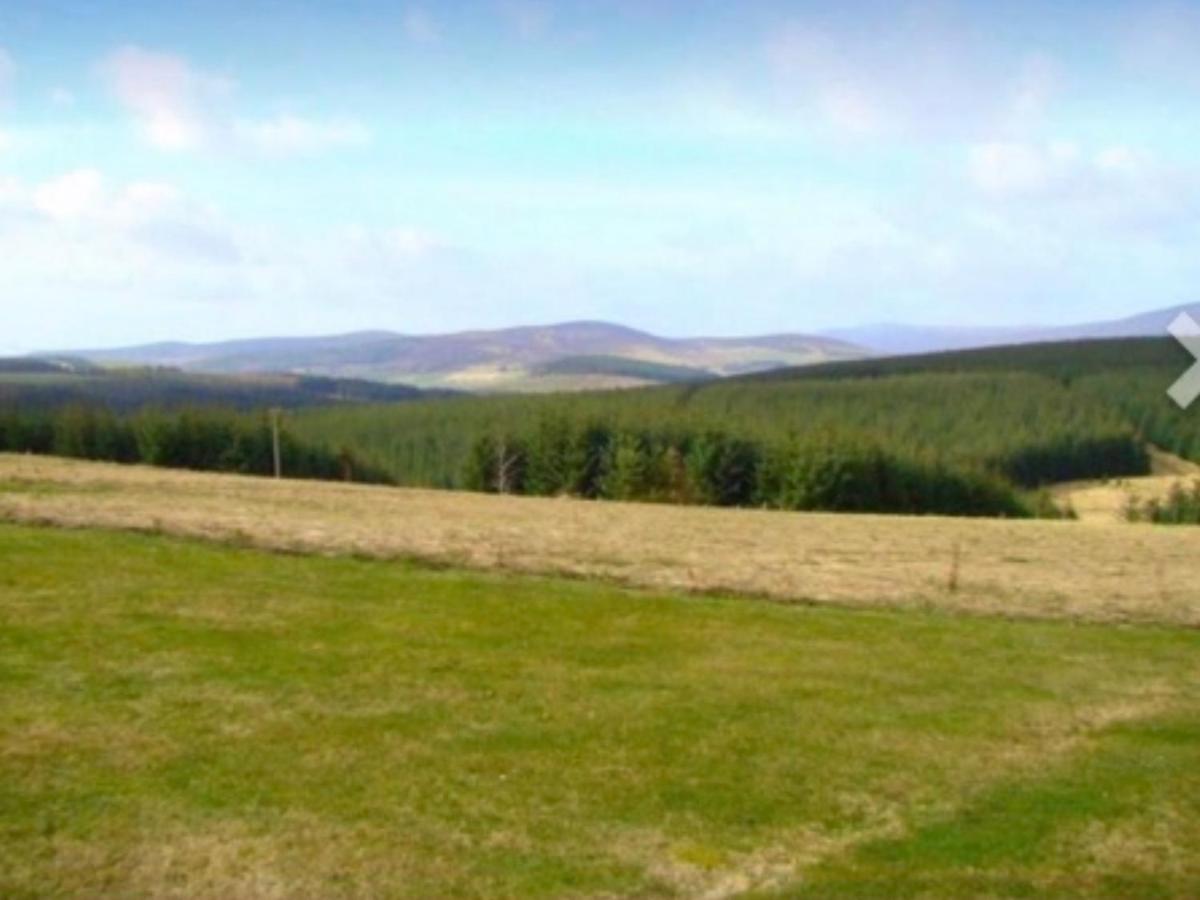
{"x":1061,"y":360}
{"x":901,"y":338}
{"x":508,"y":359}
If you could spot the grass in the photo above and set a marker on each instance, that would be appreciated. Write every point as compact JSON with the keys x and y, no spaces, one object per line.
{"x":184,"y":719}
{"x":1109,"y":500}
{"x":1086,"y":571}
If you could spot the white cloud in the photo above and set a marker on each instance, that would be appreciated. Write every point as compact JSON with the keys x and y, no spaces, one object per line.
{"x":179,"y":107}
{"x":1058,"y":168}
{"x":1001,"y":167}
{"x":140,"y":218}
{"x":913,"y":73}
{"x":412,"y":242}
{"x":420,"y":27}
{"x":1122,"y":159}
{"x":99,"y":260}
{"x":172,"y":101}
{"x":72,"y":196}
{"x":1039,"y":80}
{"x":816,"y":62}
{"x":62,"y":97}
{"x":144,"y":201}
{"x":530,"y":19}
{"x":287,"y":134}
{"x":1055,"y":192}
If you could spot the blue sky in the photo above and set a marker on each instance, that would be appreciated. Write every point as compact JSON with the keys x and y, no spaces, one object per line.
{"x":220,"y":169}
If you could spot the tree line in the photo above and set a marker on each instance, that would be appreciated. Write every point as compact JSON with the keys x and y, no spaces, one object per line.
{"x":1026,"y":428}
{"x":202,"y":439}
{"x":829,"y":471}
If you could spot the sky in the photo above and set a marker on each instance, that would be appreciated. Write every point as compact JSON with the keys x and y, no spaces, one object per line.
{"x":201,"y":171}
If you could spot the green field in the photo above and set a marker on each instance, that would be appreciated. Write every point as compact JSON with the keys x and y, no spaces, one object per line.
{"x":187,"y":719}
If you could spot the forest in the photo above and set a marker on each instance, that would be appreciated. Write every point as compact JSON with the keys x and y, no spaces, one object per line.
{"x":202,"y":439}
{"x":817,"y":472}
{"x":968,"y":432}
{"x":1003,"y":421}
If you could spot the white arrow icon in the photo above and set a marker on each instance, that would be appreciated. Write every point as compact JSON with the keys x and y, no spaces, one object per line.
{"x":1185,"y":330}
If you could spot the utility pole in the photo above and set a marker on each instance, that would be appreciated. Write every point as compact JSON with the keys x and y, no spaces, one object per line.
{"x":506,"y":463}
{"x":275,"y":441}
{"x":502,"y":467}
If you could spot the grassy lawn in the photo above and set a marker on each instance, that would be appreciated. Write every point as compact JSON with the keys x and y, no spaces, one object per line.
{"x":178,"y":718}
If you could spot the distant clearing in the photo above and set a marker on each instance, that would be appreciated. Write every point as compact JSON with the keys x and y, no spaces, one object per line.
{"x":1101,"y":571}
{"x":1106,"y":501}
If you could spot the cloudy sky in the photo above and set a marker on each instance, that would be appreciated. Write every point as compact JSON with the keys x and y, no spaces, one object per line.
{"x":223,"y":169}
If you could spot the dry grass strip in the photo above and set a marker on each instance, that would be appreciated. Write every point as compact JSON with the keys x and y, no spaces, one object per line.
{"x":1096,"y":571}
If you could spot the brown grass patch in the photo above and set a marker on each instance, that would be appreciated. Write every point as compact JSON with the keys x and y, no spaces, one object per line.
{"x":1107,"y":501}
{"x":1099,"y":571}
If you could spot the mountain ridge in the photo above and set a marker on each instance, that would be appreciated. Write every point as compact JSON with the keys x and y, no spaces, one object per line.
{"x":587,"y":353}
{"x":902,"y":338}
{"x":481,"y":359}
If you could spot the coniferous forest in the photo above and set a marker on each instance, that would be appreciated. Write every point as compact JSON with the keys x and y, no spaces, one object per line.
{"x":202,"y":439}
{"x":972,"y":432}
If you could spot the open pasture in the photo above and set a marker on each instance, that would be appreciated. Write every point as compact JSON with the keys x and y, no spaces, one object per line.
{"x":183,"y":719}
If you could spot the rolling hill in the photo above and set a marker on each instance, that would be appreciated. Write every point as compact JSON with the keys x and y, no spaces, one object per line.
{"x":583,"y":355}
{"x":900,"y":338}
{"x":507,"y":359}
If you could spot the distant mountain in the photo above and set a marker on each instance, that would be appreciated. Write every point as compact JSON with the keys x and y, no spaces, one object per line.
{"x":527,"y":358}
{"x":892,"y":339}
{"x":582,"y":355}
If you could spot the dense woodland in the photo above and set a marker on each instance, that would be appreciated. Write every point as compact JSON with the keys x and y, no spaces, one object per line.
{"x":820,"y":471}
{"x":210,"y":440}
{"x":998,"y":431}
